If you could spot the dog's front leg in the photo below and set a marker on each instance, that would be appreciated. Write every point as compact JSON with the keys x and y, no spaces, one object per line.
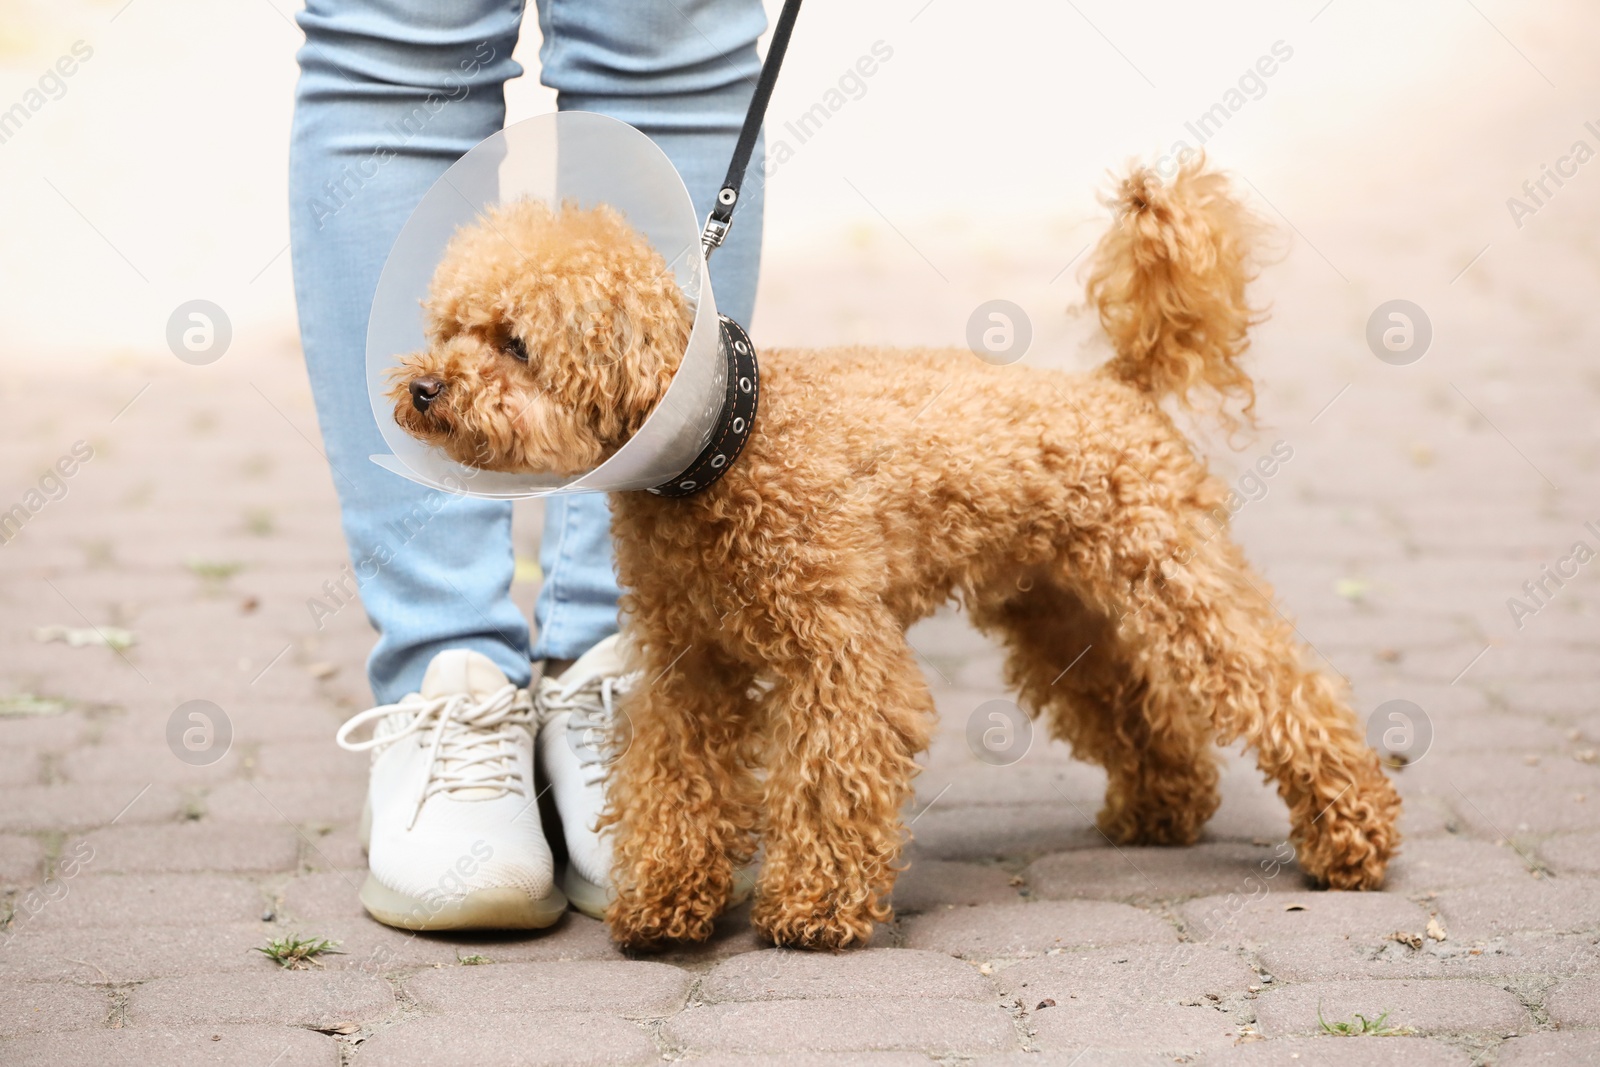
{"x":847,"y":722}
{"x":681,"y":799}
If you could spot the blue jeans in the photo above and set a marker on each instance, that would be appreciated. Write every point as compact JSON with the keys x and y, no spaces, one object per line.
{"x":391,"y":93}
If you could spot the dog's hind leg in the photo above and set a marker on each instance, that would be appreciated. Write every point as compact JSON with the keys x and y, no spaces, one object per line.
{"x":848,"y":716}
{"x":681,"y":798}
{"x":1068,"y":667}
{"x":1203,"y":632}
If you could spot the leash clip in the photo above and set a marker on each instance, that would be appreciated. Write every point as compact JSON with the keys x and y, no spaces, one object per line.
{"x":713,"y":235}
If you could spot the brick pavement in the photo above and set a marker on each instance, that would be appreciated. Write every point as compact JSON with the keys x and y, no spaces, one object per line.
{"x":137,"y":884}
{"x":1418,"y":500}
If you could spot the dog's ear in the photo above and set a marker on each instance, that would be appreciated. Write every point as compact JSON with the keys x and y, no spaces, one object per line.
{"x":621,"y":318}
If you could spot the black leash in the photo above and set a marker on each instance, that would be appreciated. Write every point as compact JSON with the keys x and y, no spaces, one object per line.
{"x":721,"y":217}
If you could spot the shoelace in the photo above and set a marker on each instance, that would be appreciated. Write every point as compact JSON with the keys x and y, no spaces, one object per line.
{"x":593,"y":707}
{"x":474,"y":741}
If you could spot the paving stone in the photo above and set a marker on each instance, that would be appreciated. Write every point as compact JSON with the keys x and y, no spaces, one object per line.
{"x":1575,"y":1003}
{"x":1169,"y":998}
{"x":370,"y":947}
{"x":816,"y":1059}
{"x":41,"y":1007}
{"x":573,"y":937}
{"x":50,"y":733}
{"x":312,"y":998}
{"x":86,"y":806}
{"x":206,"y":1046}
{"x":275,"y":802}
{"x":332,"y":846}
{"x":148,"y":761}
{"x":948,"y":633}
{"x":779,"y":974}
{"x":987,"y":833}
{"x":1323,"y":958}
{"x":87,"y":954}
{"x":1500,"y":795}
{"x":312,"y":760}
{"x":1452,"y":862}
{"x":1427,"y":815}
{"x":992,"y":931}
{"x":1572,"y":853}
{"x":194,"y":846}
{"x":1140,"y":873}
{"x":1552,"y":696}
{"x":929,"y":884}
{"x":1263,"y":916}
{"x":379,"y":949}
{"x":1030,"y":782}
{"x":1506,"y":771}
{"x":324,"y":895}
{"x":1170,"y":972}
{"x":1538,"y":810}
{"x":21,"y":859}
{"x":1550,"y":905}
{"x":29,"y":907}
{"x":131,"y":901}
{"x":634,"y":988}
{"x":311,"y":720}
{"x":1550,"y":1049}
{"x":530,"y":1039}
{"x":1131,"y":1024}
{"x":1584,"y":728}
{"x":1536,"y":660}
{"x":985,"y":672}
{"x":1482,"y":731}
{"x":949,"y":752}
{"x":1343,"y":1052}
{"x":1086,"y":1056}
{"x":1429,"y":1007}
{"x":21,"y":766}
{"x":935,"y":1026}
{"x":1468,"y":716}
{"x":1258,"y":818}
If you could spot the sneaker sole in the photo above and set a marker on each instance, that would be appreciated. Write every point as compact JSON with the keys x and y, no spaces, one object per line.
{"x":593,"y":900}
{"x":482,"y":909}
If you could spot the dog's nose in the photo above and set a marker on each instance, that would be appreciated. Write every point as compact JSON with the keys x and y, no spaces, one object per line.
{"x":424,"y":391}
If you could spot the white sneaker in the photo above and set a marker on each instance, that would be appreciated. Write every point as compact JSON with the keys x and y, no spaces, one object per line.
{"x":576,"y":748}
{"x":451,"y":825}
{"x":576,"y":712}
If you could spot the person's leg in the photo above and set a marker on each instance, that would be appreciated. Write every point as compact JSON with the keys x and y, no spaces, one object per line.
{"x":391,"y":93}
{"x":682,"y":71}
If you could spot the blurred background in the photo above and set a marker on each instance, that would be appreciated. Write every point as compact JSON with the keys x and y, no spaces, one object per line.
{"x":1387,"y":145}
{"x":966,"y":166}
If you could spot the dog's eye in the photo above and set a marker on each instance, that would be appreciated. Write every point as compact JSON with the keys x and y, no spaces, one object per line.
{"x":516,"y":349}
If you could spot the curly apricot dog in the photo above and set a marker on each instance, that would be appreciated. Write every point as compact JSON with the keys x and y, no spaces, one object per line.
{"x":1063,"y":510}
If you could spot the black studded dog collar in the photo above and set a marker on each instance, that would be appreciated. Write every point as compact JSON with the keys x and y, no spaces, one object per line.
{"x":737,"y":419}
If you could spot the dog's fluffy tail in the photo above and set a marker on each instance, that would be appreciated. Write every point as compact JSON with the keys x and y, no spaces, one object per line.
{"x":1169,"y":280}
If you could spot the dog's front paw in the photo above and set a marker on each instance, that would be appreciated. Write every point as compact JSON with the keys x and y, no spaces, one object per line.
{"x":648,"y":928}
{"x":1167,"y":804}
{"x":678,"y":910}
{"x":815,"y":924}
{"x":1349,"y":845}
{"x":1128,"y":825}
{"x":1347,"y":860}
